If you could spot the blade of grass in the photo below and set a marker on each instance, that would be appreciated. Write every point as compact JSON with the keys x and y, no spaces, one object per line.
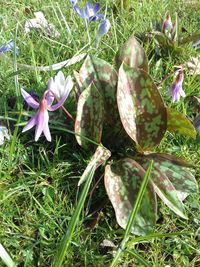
{"x":138,"y":258}
{"x":148,"y":238}
{"x":62,"y":250}
{"x":14,"y":138}
{"x":6,"y":257}
{"x":133,"y":215}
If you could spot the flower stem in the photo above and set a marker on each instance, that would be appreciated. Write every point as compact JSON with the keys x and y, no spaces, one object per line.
{"x":68,"y":114}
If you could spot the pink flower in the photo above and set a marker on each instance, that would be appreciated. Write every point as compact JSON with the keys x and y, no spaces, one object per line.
{"x":176,"y":89}
{"x":41,"y":118}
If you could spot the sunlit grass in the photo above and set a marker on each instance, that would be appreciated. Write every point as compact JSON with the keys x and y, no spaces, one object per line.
{"x":38,"y":181}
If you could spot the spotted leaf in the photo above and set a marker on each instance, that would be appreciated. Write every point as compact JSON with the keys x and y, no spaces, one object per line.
{"x":89,"y":118}
{"x":100,"y":156}
{"x":142,"y":110}
{"x":132,"y":54}
{"x":177,"y":122}
{"x":171,"y":179}
{"x":103,"y":75}
{"x":122,"y":182}
{"x":178,"y":172}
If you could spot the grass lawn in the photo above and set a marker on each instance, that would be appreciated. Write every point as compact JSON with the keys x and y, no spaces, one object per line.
{"x":39,"y":180}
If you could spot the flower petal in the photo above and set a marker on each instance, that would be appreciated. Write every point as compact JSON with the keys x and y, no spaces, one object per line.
{"x":29,"y":99}
{"x":79,"y":12}
{"x":89,"y":11}
{"x":73,"y":2}
{"x":46,"y":130}
{"x":3,"y":134}
{"x":59,"y":104}
{"x":51,"y":88}
{"x":96,"y":7}
{"x":31,"y":123}
{"x":7,"y":47}
{"x":96,"y":17}
{"x":103,"y":28}
{"x":196,"y":43}
{"x":40,"y":123}
{"x":68,"y":85}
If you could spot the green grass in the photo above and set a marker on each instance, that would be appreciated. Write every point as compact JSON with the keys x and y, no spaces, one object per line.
{"x":38,"y":181}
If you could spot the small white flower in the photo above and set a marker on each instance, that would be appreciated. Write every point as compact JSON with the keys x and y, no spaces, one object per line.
{"x":63,"y":86}
{"x":3,"y":134}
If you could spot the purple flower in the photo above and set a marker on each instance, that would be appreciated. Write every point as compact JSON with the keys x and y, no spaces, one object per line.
{"x":41,"y":118}
{"x":90,"y":12}
{"x":7,"y":47}
{"x":73,"y":2}
{"x":197,"y":123}
{"x":176,"y":89}
{"x":196,"y":43}
{"x":167,"y":24}
{"x":103,"y":28}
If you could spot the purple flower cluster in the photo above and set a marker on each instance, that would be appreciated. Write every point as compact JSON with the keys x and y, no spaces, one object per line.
{"x":91,"y":13}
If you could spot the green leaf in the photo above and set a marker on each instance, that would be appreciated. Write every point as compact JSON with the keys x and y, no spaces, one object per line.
{"x":178,"y":173}
{"x":6,"y":257}
{"x":132,"y":54}
{"x":65,"y":243}
{"x":89,"y":118}
{"x":177,"y":122}
{"x":142,"y":110}
{"x":122,"y":182}
{"x":132,"y":218}
{"x":104,"y":76}
{"x":100,"y":156}
{"x":171,"y":179}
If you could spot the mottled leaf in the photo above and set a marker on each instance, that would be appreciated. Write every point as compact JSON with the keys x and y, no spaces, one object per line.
{"x":132,"y":54}
{"x":177,"y":122}
{"x":103,"y":75}
{"x":89,"y":118}
{"x":100,"y":156}
{"x":172,"y":181}
{"x":177,"y":170}
{"x":122,"y":182}
{"x":142,"y":110}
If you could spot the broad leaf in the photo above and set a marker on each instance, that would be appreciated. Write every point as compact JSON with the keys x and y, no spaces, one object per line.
{"x":132,"y":54}
{"x":177,"y":122}
{"x":100,"y":156}
{"x":122,"y":182}
{"x":142,"y":110}
{"x":172,"y":181}
{"x":103,"y":75}
{"x":177,"y":170}
{"x":89,"y":118}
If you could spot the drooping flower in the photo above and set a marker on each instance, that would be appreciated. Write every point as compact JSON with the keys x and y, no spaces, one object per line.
{"x":196,"y":43}
{"x":7,"y":47}
{"x":41,"y":118}
{"x":90,"y":11}
{"x":197,"y":123}
{"x":3,"y":134}
{"x":167,"y":24}
{"x":104,"y":27}
{"x":63,"y":86}
{"x":176,"y":89}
